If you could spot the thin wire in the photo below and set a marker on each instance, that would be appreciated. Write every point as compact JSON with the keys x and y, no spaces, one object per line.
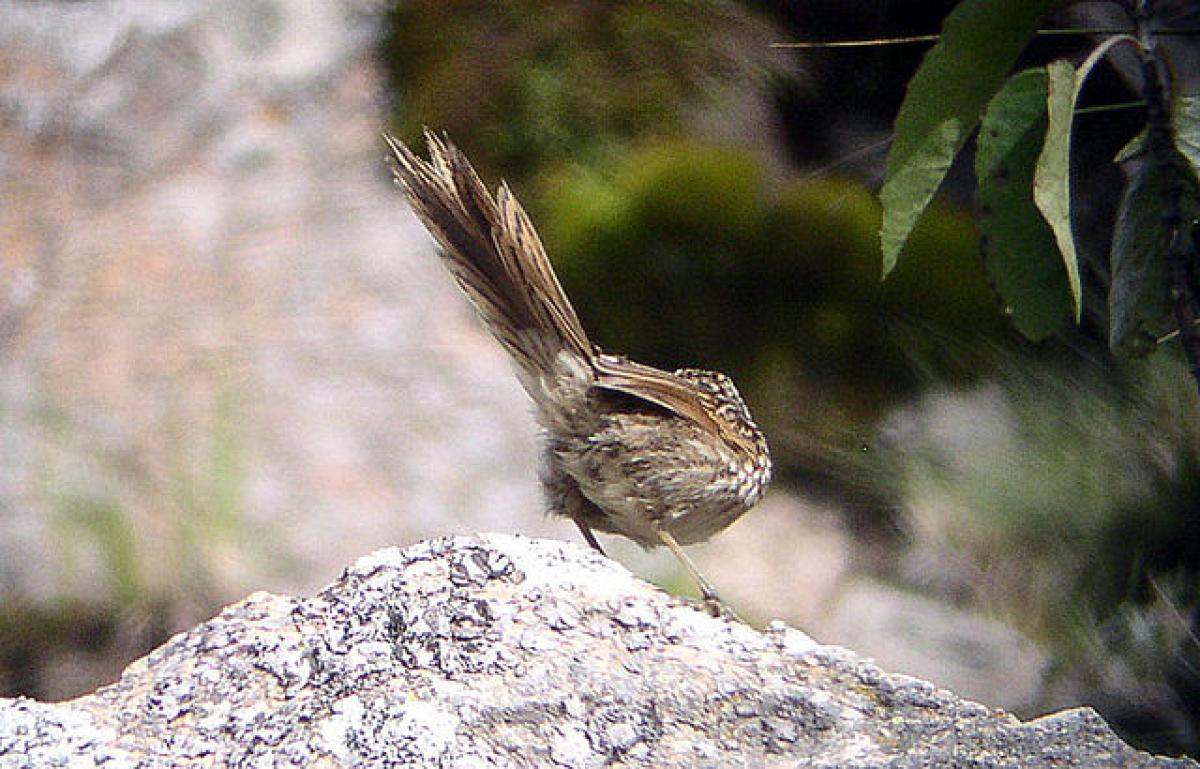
{"x":859,"y":43}
{"x":1073,"y":31}
{"x":849,"y":157}
{"x":1111,"y":107}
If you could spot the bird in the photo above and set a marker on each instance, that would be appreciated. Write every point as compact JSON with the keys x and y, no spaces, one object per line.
{"x":663,"y":458}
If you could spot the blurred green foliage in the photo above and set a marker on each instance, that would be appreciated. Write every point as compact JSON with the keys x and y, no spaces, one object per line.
{"x":1063,"y":473}
{"x":676,"y":251}
{"x":520,"y":84}
{"x":685,"y":253}
{"x":1069,"y":507}
{"x":135,"y":544}
{"x":100,"y":524}
{"x":207,"y":483}
{"x":1074,"y":500}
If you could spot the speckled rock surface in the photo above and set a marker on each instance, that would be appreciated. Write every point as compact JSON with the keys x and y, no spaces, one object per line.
{"x":502,"y":651}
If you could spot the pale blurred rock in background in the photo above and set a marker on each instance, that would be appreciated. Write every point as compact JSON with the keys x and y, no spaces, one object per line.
{"x":229,"y":360}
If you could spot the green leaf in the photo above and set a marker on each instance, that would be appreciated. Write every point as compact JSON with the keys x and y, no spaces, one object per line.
{"x":1139,"y":306}
{"x":980,"y":41}
{"x":1019,"y":249}
{"x":1052,"y":179}
{"x":1185,"y":116}
{"x":1133,"y":148}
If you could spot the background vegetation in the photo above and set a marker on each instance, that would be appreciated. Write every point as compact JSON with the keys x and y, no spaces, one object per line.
{"x":1066,"y":503}
{"x":709,"y":200}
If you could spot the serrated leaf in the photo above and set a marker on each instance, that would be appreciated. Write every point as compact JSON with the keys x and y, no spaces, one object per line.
{"x":1139,"y":307}
{"x":980,"y":41}
{"x":1020,"y":252}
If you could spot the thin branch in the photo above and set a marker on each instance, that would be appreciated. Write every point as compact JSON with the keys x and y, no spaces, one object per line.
{"x":1175,"y":614}
{"x":907,"y":40}
{"x":849,"y":157}
{"x":1136,"y":104}
{"x":1160,"y":144}
{"x":1164,"y":31}
{"x":860,"y":43}
{"x":1167,"y":337}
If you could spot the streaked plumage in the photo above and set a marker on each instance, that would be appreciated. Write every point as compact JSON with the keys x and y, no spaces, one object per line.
{"x":656,"y":456}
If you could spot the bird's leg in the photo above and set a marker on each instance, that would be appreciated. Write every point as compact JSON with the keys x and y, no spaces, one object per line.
{"x":713,"y":601}
{"x":589,"y":537}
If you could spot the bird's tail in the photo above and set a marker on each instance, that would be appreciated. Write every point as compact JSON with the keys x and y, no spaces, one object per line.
{"x":491,"y":248}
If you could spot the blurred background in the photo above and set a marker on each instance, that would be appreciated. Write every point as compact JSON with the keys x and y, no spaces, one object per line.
{"x":229,"y":360}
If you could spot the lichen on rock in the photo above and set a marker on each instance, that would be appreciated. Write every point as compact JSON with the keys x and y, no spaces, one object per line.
{"x":499,"y":651}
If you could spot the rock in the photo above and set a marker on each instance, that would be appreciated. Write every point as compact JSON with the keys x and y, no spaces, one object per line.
{"x":502,"y":651}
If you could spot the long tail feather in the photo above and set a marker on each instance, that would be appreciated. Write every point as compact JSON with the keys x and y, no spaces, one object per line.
{"x":494,"y":253}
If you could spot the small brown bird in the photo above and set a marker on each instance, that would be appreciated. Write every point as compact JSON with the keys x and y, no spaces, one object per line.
{"x":659,"y":457}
